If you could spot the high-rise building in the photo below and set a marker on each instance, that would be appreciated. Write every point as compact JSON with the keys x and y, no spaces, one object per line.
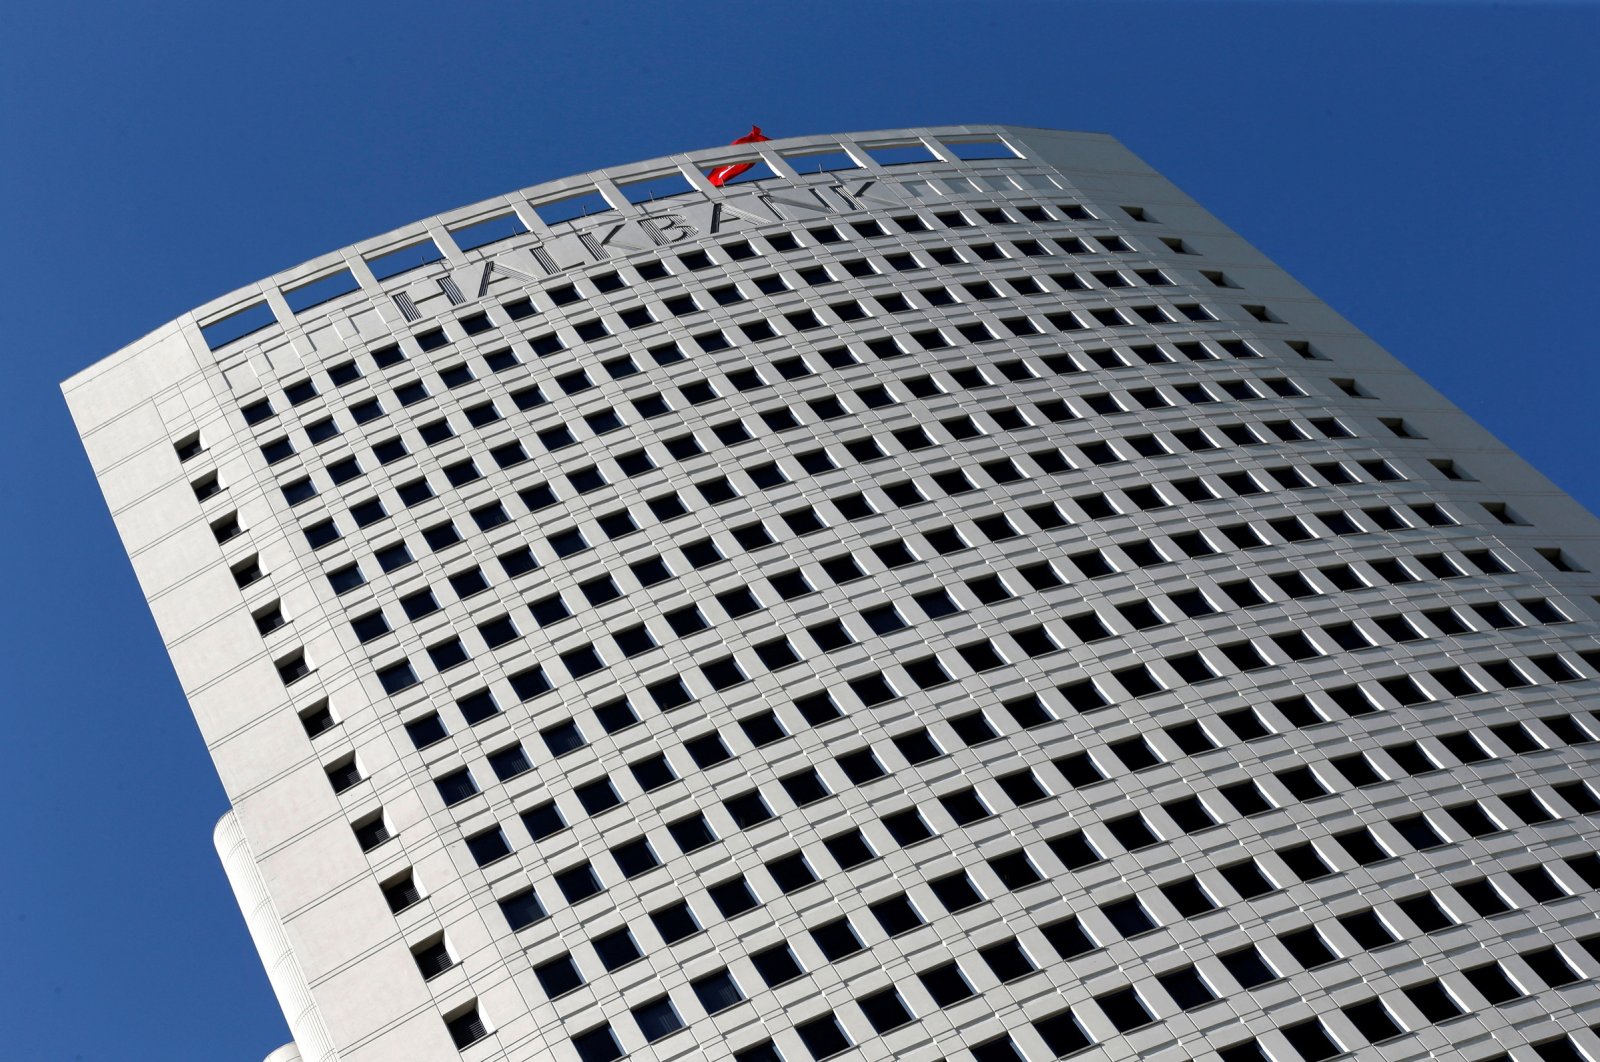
{"x":940,"y":595}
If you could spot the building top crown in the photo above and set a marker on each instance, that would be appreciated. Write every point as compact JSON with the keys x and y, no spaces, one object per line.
{"x":598,"y":215}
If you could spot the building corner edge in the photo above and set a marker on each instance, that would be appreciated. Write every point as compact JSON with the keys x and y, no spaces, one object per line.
{"x":312,"y":1042}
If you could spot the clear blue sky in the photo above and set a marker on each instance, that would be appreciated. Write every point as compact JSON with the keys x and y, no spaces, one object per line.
{"x":1428,"y":169}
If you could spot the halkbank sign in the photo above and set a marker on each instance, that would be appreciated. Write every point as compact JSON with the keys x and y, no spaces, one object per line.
{"x":610,"y":237}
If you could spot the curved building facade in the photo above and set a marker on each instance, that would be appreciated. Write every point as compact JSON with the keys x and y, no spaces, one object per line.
{"x":939,"y":596}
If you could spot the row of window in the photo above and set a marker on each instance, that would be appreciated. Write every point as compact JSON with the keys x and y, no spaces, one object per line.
{"x":1062,"y":1033}
{"x":701,"y":391}
{"x":1078,"y":770}
{"x":402,"y":560}
{"x":315,"y":293}
{"x":763,"y":728}
{"x":792,"y":872}
{"x":877,"y":396}
{"x":604,"y":421}
{"x":1125,"y":1009}
{"x":1432,"y":1000}
{"x":1430,"y":912}
{"x":1076,"y":850}
{"x":651,"y":571}
{"x":930,"y":672}
{"x":806,"y":520}
{"x":770,"y":474}
{"x":511,"y":453}
{"x":1015,"y":870}
{"x":815,"y":275}
{"x":1493,"y":616}
{"x":1091,"y":564}
{"x":229,"y":526}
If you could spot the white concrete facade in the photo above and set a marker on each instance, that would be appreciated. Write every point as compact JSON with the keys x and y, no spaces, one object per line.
{"x":944,"y":546}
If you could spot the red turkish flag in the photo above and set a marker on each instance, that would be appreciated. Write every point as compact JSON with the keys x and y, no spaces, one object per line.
{"x":723,"y":174}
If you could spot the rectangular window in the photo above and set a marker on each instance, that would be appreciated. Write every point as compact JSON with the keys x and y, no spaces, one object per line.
{"x":653,"y":188}
{"x":572,"y":207}
{"x":237,"y":325}
{"x":481,"y":233}
{"x":320,"y":290}
{"x":404,"y":259}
